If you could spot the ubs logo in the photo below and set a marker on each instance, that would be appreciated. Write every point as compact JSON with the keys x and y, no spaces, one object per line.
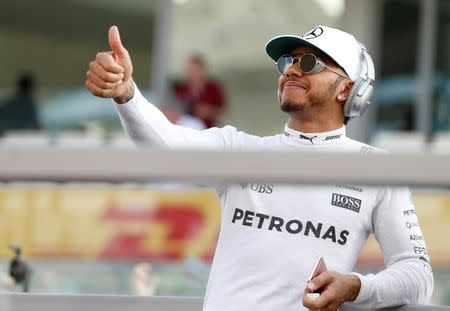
{"x":260,"y":188}
{"x":313,"y":34}
{"x":347,"y":202}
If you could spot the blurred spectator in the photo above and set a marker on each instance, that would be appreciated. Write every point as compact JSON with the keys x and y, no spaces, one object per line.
{"x":203,"y":96}
{"x":140,"y":283}
{"x":19,"y":269}
{"x":176,"y":113}
{"x":18,"y":112}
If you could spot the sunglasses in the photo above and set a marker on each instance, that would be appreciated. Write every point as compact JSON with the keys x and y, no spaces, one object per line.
{"x":307,"y":63}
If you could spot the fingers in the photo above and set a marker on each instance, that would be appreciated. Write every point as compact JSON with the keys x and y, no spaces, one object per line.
{"x":100,"y":82}
{"x":320,"y":281}
{"x":96,"y":69}
{"x":326,"y":302}
{"x":115,"y":42}
{"x":100,"y":92}
{"x":110,"y":74}
{"x":331,"y":297}
{"x":106,"y":60}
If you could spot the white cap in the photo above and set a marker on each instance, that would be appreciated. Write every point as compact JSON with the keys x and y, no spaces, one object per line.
{"x":340,"y":46}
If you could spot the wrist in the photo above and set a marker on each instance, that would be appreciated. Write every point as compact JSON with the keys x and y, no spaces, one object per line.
{"x":127,"y":96}
{"x":355,"y":285}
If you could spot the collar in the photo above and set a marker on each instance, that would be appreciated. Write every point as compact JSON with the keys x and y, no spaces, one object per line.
{"x":315,"y":138}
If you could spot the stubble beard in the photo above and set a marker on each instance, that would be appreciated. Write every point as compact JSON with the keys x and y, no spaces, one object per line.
{"x":312,"y":101}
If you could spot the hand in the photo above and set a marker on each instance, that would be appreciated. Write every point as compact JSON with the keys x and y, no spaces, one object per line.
{"x":336,"y":289}
{"x":109,"y":75}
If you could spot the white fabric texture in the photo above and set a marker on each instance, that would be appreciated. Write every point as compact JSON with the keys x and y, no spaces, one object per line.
{"x":271,"y":235}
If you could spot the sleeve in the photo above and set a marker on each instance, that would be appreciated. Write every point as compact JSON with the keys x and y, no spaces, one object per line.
{"x":408,"y":278}
{"x":146,"y":125}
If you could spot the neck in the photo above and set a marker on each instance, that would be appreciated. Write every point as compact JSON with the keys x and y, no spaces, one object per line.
{"x":317,"y":119}
{"x":317,"y":124}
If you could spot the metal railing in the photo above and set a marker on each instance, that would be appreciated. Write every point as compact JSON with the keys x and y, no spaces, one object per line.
{"x":51,"y":302}
{"x":60,"y":165}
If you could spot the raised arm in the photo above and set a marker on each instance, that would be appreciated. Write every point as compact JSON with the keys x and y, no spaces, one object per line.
{"x":110,"y":76}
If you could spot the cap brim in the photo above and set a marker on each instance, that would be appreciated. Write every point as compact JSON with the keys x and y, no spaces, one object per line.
{"x":282,"y":45}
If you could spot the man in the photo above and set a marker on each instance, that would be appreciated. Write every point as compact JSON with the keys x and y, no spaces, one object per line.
{"x":202,"y":96}
{"x":19,"y":111}
{"x":176,"y":113}
{"x":271,"y":235}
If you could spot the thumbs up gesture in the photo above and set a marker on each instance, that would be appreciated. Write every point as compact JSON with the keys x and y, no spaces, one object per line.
{"x":110,"y":74}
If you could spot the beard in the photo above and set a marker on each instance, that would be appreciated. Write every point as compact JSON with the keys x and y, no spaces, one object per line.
{"x":311,"y":101}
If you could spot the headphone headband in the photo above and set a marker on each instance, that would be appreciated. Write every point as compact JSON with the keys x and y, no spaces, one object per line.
{"x":370,"y":68}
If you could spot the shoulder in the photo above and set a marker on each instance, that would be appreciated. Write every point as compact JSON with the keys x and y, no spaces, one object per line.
{"x":363,"y":148}
{"x":245,"y":141}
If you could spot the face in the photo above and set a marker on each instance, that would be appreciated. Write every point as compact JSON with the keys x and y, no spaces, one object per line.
{"x":194,"y":71}
{"x":304,"y":92}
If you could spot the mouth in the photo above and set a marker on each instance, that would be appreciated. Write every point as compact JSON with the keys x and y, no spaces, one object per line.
{"x":294,"y":84}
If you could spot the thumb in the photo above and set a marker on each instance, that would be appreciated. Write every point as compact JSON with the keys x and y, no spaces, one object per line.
{"x":115,"y":43}
{"x":319,"y":281}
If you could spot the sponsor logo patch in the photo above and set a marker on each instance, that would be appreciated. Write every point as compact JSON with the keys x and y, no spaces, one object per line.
{"x":260,"y":188}
{"x":346,"y":202}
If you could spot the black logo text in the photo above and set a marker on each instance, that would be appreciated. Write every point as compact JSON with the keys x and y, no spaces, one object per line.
{"x":347,"y":202}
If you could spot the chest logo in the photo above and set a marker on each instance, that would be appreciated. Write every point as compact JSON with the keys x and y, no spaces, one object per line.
{"x":260,"y":188}
{"x":346,"y":202}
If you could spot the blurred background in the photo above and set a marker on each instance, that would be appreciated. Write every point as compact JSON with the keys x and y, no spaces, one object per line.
{"x":160,"y":239}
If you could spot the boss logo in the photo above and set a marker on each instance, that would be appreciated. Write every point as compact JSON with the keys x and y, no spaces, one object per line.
{"x":347,"y":202}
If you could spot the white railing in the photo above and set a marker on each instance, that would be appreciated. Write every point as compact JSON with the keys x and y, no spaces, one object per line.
{"x":52,"y":302}
{"x":107,"y":165}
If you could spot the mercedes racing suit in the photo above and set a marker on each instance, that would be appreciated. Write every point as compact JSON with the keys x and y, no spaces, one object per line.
{"x":271,"y":235}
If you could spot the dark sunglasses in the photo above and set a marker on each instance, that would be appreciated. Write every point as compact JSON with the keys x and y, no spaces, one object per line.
{"x":307,"y":63}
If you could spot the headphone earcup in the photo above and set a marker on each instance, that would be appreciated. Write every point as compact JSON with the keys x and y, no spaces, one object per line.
{"x":359,"y":98}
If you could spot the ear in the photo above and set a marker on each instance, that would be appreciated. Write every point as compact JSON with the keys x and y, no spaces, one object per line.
{"x":345,"y":91}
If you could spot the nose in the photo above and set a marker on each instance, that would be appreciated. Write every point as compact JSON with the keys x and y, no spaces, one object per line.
{"x":294,"y":70}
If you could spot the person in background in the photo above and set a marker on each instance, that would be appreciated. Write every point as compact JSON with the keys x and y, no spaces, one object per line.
{"x":176,"y":113}
{"x":19,"y":111}
{"x":141,"y":284}
{"x":203,"y":96}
